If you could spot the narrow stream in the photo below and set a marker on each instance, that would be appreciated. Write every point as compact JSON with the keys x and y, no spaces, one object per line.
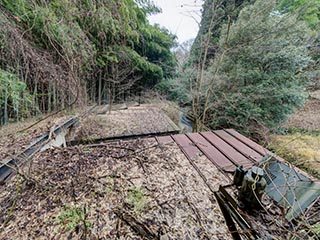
{"x":185,"y":123}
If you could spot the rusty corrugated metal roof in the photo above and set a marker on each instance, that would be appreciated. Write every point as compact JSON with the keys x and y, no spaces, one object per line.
{"x":241,"y":147}
{"x":224,"y":150}
{"x":211,"y":152}
{"x":227,"y":149}
{"x":186,"y":145}
{"x":230,"y":152}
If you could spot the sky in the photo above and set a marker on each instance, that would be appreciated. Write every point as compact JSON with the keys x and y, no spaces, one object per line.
{"x":181,"y":17}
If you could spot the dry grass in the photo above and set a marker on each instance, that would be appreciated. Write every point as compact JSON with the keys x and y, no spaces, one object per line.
{"x":302,"y":149}
{"x":302,"y":145}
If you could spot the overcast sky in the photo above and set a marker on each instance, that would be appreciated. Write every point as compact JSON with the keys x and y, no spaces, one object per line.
{"x":181,"y":17}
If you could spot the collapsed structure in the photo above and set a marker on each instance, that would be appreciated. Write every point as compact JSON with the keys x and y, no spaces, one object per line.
{"x":208,"y":185}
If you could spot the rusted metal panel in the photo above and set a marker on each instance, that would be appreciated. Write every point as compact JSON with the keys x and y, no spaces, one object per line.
{"x":236,"y":157}
{"x":212,"y":153}
{"x":119,"y":137}
{"x":257,"y":147}
{"x":241,"y":147}
{"x":186,"y":145}
{"x":164,"y":139}
{"x":249,"y":142}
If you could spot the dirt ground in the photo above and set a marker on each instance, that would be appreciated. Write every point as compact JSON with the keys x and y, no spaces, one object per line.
{"x":124,"y":190}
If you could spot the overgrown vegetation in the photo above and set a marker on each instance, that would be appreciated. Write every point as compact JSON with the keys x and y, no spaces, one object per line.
{"x":249,"y":65}
{"x":14,"y":101}
{"x":69,"y":52}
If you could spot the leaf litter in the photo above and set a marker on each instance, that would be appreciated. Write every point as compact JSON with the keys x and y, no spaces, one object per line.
{"x":123,"y":190}
{"x":135,"y":120}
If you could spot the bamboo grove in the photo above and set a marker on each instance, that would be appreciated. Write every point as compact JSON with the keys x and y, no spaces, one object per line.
{"x":57,"y":53}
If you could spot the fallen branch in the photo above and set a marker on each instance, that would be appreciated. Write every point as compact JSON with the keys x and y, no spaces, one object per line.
{"x":137,"y":226}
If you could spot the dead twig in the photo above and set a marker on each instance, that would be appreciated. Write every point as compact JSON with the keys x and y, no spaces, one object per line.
{"x":136,"y":152}
{"x":139,"y":227}
{"x":107,"y":145}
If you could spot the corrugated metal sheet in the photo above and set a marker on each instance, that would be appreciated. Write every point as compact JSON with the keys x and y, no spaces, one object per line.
{"x":236,"y":157}
{"x":263,"y":151}
{"x":226,"y":149}
{"x":290,"y":189}
{"x":241,"y":147}
{"x":259,"y":148}
{"x":211,"y":152}
{"x":186,"y":145}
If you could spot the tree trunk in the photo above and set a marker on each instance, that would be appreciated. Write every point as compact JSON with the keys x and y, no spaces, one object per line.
{"x":100,"y":88}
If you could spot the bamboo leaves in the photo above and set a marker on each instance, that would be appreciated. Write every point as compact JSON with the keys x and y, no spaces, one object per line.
{"x":12,"y":96}
{"x":63,"y":48}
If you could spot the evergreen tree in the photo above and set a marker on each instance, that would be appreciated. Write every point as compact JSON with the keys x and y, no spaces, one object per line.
{"x":260,"y":80}
{"x":215,"y":14}
{"x":257,"y":74}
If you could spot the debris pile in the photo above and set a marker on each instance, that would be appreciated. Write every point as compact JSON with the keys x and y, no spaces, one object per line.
{"x":13,"y":142}
{"x":135,"y":189}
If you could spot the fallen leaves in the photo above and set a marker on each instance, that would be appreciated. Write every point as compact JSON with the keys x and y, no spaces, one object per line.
{"x":146,"y":193}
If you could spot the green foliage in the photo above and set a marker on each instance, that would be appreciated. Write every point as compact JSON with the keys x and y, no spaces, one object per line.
{"x":80,"y":42}
{"x":177,"y":88}
{"x":139,"y":63}
{"x":307,"y":10}
{"x":148,"y":7}
{"x":13,"y":96}
{"x":215,"y":14}
{"x":155,"y":44}
{"x":72,"y":217}
{"x":256,"y":75}
{"x":136,"y":199}
{"x":262,"y":68}
{"x":316,"y":229}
